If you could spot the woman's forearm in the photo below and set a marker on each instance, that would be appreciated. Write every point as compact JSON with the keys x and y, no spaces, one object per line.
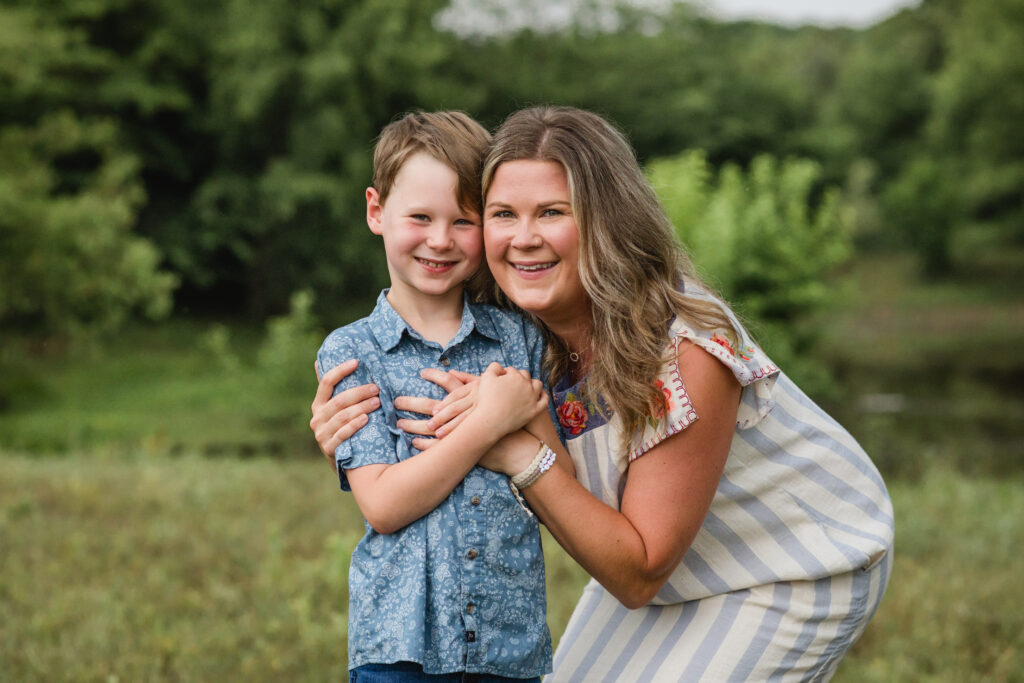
{"x":601,"y":539}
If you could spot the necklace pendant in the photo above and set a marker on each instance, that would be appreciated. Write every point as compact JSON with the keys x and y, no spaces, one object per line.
{"x":574,"y":357}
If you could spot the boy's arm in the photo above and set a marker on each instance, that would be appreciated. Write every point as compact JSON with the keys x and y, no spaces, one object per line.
{"x":392,"y":496}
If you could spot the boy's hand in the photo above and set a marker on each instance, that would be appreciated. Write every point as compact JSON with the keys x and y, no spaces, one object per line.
{"x":508,"y":398}
{"x":452,"y":381}
{"x":336,"y":419}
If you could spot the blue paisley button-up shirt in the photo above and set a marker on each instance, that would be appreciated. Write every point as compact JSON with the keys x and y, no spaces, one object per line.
{"x":461,"y":589}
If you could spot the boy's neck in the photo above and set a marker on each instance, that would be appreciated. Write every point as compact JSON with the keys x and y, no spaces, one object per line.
{"x":436,"y":318}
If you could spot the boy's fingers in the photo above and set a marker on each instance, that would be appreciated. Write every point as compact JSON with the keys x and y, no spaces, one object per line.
{"x":451,"y":425}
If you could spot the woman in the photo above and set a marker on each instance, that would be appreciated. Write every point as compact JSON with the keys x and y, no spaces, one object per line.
{"x":733,"y":530}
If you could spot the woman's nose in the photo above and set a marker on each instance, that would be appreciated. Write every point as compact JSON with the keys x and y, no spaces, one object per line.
{"x":526,"y":235}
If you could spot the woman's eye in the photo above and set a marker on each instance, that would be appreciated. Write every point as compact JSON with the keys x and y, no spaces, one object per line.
{"x":550,"y":212}
{"x":501,"y":214}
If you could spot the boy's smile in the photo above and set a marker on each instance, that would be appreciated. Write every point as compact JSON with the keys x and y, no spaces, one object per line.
{"x":433,"y":245}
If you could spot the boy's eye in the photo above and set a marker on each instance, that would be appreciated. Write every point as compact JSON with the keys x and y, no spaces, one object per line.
{"x":422,"y":217}
{"x":465,"y":222}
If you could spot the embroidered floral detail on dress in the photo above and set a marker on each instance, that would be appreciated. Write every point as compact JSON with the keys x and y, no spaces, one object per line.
{"x":659,"y":409}
{"x":572,"y":414}
{"x":728,"y":341}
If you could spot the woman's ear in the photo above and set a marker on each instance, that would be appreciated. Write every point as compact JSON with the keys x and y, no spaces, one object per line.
{"x":374,"y":209}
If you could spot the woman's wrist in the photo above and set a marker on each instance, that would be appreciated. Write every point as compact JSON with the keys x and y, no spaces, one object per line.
{"x":540,"y":464}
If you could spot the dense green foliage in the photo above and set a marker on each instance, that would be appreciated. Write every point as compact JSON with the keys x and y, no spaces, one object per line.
{"x":223,"y":147}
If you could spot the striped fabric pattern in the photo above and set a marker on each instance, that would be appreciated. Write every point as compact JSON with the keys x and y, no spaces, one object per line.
{"x":789,"y":564}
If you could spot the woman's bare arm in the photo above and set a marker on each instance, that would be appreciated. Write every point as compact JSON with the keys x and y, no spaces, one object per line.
{"x":632,"y":551}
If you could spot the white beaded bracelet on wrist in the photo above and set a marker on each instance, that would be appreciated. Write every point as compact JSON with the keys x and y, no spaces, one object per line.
{"x":542,"y":462}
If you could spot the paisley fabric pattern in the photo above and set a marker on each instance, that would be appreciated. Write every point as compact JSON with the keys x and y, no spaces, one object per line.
{"x":461,"y":589}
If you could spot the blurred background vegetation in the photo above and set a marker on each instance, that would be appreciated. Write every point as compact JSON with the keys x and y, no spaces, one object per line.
{"x":181,"y":222}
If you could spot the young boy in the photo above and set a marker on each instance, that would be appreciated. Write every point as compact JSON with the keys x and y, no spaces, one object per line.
{"x":449,"y":578}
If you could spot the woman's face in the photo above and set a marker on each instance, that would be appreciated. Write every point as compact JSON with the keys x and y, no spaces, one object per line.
{"x":532,"y":243}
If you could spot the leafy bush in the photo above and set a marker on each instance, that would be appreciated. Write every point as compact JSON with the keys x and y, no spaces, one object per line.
{"x":767,"y":238}
{"x":71,"y":262}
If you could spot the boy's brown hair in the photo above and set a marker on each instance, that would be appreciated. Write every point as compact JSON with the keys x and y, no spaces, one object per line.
{"x":451,"y":137}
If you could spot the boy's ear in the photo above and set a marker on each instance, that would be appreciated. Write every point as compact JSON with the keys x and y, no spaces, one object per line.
{"x":373,"y":210}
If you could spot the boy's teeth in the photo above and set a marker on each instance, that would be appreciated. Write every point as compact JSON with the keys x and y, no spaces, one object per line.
{"x":434,"y":264}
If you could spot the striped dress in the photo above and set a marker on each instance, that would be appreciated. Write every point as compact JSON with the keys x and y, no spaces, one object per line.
{"x":789,"y":565}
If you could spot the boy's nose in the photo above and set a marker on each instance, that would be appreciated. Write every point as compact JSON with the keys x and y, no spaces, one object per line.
{"x":439,"y":237}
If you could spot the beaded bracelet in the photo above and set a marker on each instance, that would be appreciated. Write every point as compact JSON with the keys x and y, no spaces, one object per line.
{"x":542,"y":462}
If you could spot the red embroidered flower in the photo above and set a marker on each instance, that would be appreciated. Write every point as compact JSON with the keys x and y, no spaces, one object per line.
{"x":724,"y":343}
{"x":658,"y":410}
{"x":573,"y":416}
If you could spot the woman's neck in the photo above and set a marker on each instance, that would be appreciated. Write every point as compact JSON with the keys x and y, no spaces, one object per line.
{"x":577,"y":335}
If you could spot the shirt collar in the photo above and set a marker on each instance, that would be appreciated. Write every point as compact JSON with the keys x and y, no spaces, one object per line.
{"x":388,"y":326}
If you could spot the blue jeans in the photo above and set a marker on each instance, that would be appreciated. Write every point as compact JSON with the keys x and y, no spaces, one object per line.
{"x":411,"y":672}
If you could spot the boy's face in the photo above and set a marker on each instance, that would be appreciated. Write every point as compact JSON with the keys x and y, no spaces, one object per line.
{"x":432,"y":244}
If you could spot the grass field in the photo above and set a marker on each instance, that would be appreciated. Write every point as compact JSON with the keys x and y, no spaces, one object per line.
{"x":165,"y":516}
{"x":199,"y":569}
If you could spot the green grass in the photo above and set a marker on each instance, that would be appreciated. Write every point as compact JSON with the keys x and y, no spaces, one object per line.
{"x":202,"y":569}
{"x":158,"y":390}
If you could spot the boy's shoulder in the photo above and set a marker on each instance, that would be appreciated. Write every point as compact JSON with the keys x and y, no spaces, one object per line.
{"x":348,"y":337}
{"x":506,"y":321}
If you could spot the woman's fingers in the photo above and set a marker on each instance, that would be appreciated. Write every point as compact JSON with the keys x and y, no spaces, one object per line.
{"x":417,"y":404}
{"x":446,"y":380}
{"x":341,"y":434}
{"x":423,"y":443}
{"x":419,"y":427}
{"x":464,"y":377}
{"x":326,"y":384}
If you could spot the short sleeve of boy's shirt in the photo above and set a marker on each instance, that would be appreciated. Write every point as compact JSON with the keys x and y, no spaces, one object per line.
{"x":377,"y":442}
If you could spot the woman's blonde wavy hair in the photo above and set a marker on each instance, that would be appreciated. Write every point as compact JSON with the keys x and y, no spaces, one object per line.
{"x":630,"y":261}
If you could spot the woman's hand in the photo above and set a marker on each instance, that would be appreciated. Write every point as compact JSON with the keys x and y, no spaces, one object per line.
{"x":336,"y":419}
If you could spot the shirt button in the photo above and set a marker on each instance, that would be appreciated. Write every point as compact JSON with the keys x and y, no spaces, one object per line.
{"x":469,"y":608}
{"x":475,"y":500}
{"x":472,"y":553}
{"x":445,"y":362}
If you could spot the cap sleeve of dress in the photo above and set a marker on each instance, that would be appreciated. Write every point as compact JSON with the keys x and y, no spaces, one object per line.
{"x":755,"y":372}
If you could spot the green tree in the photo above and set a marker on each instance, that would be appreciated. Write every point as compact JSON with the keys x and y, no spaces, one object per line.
{"x":979,"y":106}
{"x":70,"y":188}
{"x":769,"y":238}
